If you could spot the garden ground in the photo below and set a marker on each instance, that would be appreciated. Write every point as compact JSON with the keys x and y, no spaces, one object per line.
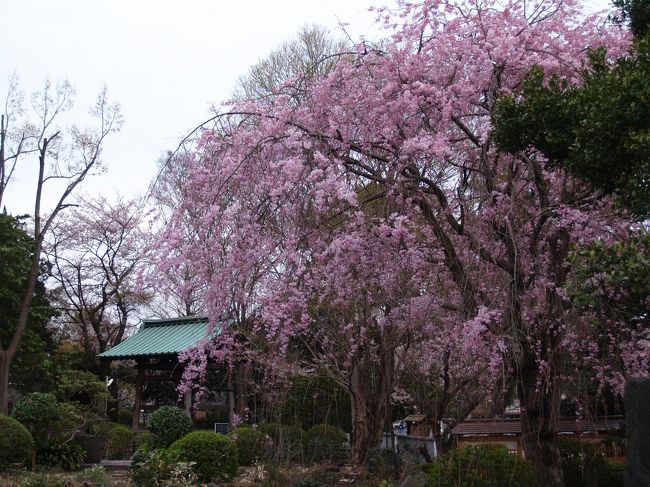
{"x":318,"y":475}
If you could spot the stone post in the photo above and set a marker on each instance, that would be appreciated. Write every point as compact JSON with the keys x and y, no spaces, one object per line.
{"x":637,"y":428}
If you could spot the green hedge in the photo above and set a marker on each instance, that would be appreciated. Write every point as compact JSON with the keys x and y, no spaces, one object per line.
{"x":215,"y":454}
{"x":169,"y":423}
{"x":120,"y":439}
{"x":16,"y":442}
{"x":481,"y":466}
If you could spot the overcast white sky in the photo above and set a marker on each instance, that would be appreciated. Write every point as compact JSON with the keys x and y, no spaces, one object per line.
{"x":165,"y":62}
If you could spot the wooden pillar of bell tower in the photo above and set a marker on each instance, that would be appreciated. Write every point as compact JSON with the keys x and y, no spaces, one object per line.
{"x":139,"y":386}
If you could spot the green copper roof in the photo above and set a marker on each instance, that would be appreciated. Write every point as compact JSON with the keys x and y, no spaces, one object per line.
{"x":161,"y":337}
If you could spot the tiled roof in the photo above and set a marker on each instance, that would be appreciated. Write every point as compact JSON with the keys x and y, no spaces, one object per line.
{"x":513,"y":426}
{"x":415,"y":418}
{"x":162,"y":337}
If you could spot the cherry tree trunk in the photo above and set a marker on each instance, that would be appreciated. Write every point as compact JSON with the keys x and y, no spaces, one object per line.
{"x":370,"y":387}
{"x":367,"y":429}
{"x":539,"y":414}
{"x":243,"y":374}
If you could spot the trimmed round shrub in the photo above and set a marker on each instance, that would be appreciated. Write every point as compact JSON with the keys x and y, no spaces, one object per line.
{"x":120,"y":439}
{"x":16,"y":442}
{"x":215,"y":454}
{"x":169,"y":423}
{"x":251,"y":443}
{"x":325,"y":442}
{"x":481,"y":466}
{"x":39,"y":412}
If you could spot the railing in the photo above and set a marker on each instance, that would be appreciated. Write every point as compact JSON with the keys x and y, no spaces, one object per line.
{"x":412,"y":445}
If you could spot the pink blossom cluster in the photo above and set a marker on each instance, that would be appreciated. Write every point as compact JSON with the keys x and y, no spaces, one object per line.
{"x":374,"y":220}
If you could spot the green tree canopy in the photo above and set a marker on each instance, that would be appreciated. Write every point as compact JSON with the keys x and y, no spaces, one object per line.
{"x":598,"y":130}
{"x":33,"y":367}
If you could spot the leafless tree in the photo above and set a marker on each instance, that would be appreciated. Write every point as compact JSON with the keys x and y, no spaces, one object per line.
{"x":64,"y":158}
{"x":289,"y":67}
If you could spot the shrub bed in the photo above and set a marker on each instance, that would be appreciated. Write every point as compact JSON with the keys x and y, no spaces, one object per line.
{"x":481,"y":466}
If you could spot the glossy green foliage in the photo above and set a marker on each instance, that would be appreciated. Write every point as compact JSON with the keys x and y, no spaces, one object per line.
{"x":82,"y":388}
{"x":147,"y":440}
{"x":599,"y":131}
{"x":613,"y":279}
{"x":69,"y":455}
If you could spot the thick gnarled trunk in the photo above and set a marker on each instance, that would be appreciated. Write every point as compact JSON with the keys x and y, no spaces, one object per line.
{"x":367,"y":429}
{"x":540,"y":409}
{"x":371,"y":384}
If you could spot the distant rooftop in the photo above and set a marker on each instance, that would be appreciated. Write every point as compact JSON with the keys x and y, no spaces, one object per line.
{"x":162,"y":337}
{"x":513,"y":426}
